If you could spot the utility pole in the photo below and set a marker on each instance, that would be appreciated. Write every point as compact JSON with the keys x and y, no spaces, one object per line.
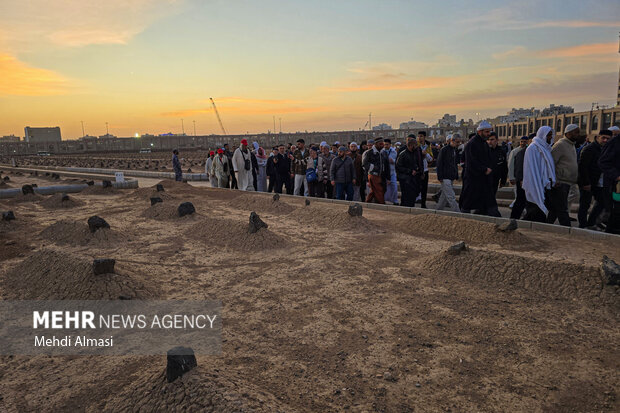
{"x":194,"y":127}
{"x":182,"y":127}
{"x":107,"y":131}
{"x":370,"y":121}
{"x":274,"y":124}
{"x":83,"y":134}
{"x":280,"y":125}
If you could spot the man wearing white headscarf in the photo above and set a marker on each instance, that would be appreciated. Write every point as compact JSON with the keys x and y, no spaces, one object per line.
{"x":538,"y":174}
{"x":566,"y":170}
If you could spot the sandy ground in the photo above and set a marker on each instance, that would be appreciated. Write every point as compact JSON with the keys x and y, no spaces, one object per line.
{"x":322,"y":312}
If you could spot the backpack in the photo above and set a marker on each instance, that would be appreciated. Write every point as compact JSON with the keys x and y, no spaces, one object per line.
{"x":311,"y":175}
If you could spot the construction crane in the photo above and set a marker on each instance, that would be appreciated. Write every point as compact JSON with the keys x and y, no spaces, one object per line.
{"x":218,"y":116}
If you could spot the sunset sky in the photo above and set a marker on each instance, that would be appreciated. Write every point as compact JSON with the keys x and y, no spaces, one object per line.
{"x":143,"y":65}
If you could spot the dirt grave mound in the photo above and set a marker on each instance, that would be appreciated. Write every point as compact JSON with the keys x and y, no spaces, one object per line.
{"x":146,"y":194}
{"x":99,"y":190}
{"x":55,"y":202}
{"x":21,"y":198}
{"x":4,"y":184}
{"x":195,"y":391}
{"x":53,"y":275}
{"x":177,"y":188}
{"x":332,"y":218}
{"x":166,"y":211}
{"x":235,"y":235}
{"x":67,"y":232}
{"x":552,"y":279}
{"x":261,"y":203}
{"x":463,"y":229}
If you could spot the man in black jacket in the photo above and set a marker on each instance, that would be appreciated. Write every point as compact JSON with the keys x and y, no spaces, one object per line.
{"x":282,"y":167}
{"x":448,"y":172}
{"x":590,"y":180}
{"x":498,"y":163}
{"x":409,"y":169}
{"x":477,"y":194}
{"x":271,"y":169}
{"x":609,"y":162}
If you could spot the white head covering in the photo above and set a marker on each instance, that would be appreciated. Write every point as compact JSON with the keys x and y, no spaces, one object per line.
{"x":449,"y":138}
{"x":539,"y":168}
{"x":484,"y":125}
{"x":614,"y":129}
{"x":570,"y":128}
{"x":255,"y":144}
{"x":353,"y":143}
{"x":324,"y":144}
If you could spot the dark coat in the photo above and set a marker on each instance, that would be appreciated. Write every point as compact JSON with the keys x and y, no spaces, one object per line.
{"x":518,"y":160}
{"x":477,"y":193}
{"x":447,"y":164}
{"x":407,"y":162}
{"x":609,"y":162}
{"x":589,"y":171}
{"x":342,"y":170}
{"x":282,"y":166}
{"x":500,"y":165}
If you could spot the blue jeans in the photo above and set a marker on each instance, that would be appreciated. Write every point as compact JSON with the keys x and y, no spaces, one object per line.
{"x":343,"y":189}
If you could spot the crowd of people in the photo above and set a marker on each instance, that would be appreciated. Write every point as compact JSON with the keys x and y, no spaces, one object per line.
{"x":546,"y":176}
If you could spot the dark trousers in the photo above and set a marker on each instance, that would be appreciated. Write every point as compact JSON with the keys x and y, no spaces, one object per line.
{"x":282,"y":180}
{"x":376,"y":189}
{"x":585,"y":199}
{"x":344,"y":190}
{"x":558,"y":205}
{"x":313,"y":189}
{"x":363,"y":188}
{"x":520,"y":203}
{"x":410,"y":189}
{"x":272,"y":183}
{"x":423,"y":190}
{"x":533,"y":213}
{"x":613,"y":223}
{"x":325,"y":190}
{"x":233,"y":180}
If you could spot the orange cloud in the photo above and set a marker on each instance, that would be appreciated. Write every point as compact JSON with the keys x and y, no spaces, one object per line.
{"x":576,"y":24}
{"x":248,"y":110}
{"x":236,"y":99}
{"x":582,"y":50}
{"x":20,"y":79}
{"x":426,"y":83}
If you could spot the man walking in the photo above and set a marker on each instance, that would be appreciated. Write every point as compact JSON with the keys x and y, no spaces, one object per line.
{"x":538,"y":174}
{"x":447,"y":172}
{"x":409,"y":169}
{"x":377,"y":168}
{"x":220,"y":169}
{"x":427,"y":158}
{"x":609,"y":162}
{"x":342,"y":175}
{"x":242,"y":164}
{"x":176,"y":166}
{"x":498,"y":163}
{"x":566,"y":171}
{"x":356,"y":156}
{"x":477,"y":194}
{"x":326,"y":187}
{"x":391,"y":194}
{"x":299,"y":164}
{"x":209,"y":169}
{"x":229,"y":155}
{"x":516,"y":179}
{"x":282,"y":168}
{"x":590,"y":180}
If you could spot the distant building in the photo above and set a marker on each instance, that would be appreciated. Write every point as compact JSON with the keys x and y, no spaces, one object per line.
{"x":382,"y":126}
{"x":412,"y":124}
{"x":447,"y":121}
{"x":36,"y":135}
{"x":107,"y":136}
{"x":518,"y":114}
{"x":9,"y":138}
{"x":557,"y":110}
